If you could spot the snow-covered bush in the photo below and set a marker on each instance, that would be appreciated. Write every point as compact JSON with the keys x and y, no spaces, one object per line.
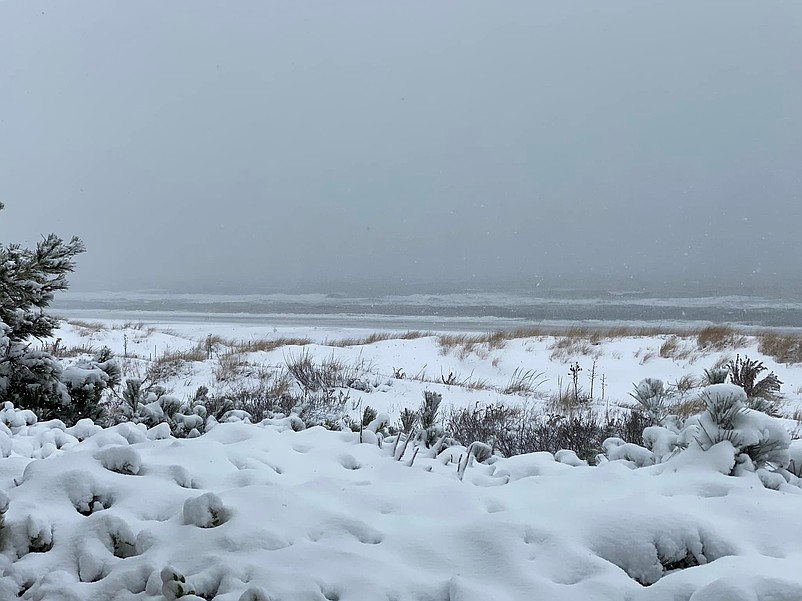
{"x":3,"y":509}
{"x":753,"y":441}
{"x":758,"y":440}
{"x":652,"y":398}
{"x":32,"y":378}
{"x":205,"y":511}
{"x":121,"y":459}
{"x":86,"y":381}
{"x":152,"y":406}
{"x":431,"y":429}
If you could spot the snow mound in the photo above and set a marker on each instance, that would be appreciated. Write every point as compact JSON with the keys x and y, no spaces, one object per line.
{"x":260,"y":512}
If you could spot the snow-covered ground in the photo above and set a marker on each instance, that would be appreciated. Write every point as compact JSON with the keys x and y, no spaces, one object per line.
{"x":251,"y":512}
{"x":620,"y":361}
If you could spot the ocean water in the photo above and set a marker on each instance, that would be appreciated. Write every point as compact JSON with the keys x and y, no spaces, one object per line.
{"x":455,"y":311}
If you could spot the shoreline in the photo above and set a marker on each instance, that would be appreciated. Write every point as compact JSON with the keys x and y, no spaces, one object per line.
{"x":433,"y":323}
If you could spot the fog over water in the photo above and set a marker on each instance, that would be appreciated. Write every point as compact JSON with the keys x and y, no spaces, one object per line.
{"x":403,"y":147}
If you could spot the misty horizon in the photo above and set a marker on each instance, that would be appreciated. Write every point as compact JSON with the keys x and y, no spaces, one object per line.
{"x":395,"y":147}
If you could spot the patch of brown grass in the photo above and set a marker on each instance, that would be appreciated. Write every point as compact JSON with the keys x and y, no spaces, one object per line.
{"x":129,"y":325}
{"x":519,"y":333}
{"x":675,"y":348}
{"x":378,"y":337}
{"x":564,"y":402}
{"x":783,"y":348}
{"x":722,"y":361}
{"x":265,"y":345}
{"x":685,"y":408}
{"x":719,"y":338}
{"x":174,"y":363}
{"x":565,"y":348}
{"x":413,"y":335}
{"x":669,"y":347}
{"x":465,"y":344}
{"x":687,"y":383}
{"x":369,"y":339}
{"x":523,"y":382}
{"x":87,"y":328}
{"x":469,"y":382}
{"x":228,"y":365}
{"x":72,"y":351}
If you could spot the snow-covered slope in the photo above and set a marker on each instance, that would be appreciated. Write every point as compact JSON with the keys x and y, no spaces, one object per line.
{"x":251,"y":512}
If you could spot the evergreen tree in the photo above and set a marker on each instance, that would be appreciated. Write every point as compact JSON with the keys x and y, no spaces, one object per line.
{"x":31,"y":378}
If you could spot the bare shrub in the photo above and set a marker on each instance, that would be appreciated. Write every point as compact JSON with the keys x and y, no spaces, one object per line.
{"x":272,"y":393}
{"x":629,"y":426}
{"x":495,"y":425}
{"x":129,"y":325}
{"x":322,"y":407}
{"x":582,"y":433}
{"x":513,"y":430}
{"x":304,"y":370}
{"x":329,"y":374}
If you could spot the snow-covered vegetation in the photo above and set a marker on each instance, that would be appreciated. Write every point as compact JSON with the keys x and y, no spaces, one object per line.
{"x":206,"y":475}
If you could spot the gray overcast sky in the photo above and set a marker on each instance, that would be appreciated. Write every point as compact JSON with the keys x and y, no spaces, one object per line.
{"x":241,"y":145}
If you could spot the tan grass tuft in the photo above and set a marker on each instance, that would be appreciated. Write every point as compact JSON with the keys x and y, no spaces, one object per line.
{"x":783,"y":348}
{"x":719,"y":338}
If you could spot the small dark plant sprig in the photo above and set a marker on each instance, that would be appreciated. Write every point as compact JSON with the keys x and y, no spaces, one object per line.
{"x":428,"y":416}
{"x":574,"y":370}
{"x":408,"y":420}
{"x":744,"y":373}
{"x":652,"y":398}
{"x":723,"y":409}
{"x":368,"y":415}
{"x":449,"y":380}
